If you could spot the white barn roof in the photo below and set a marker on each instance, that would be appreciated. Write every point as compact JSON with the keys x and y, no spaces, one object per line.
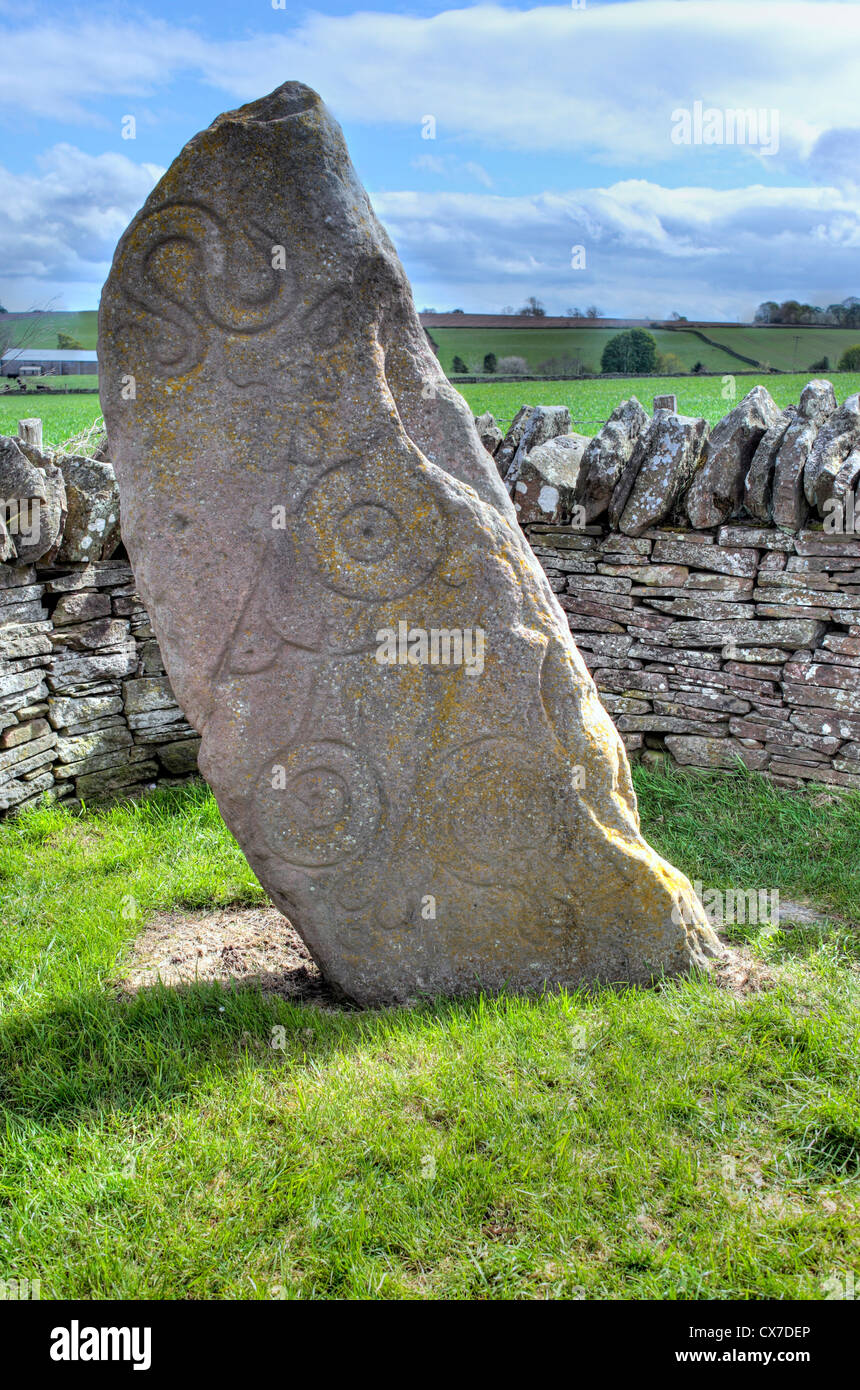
{"x":27,"y":355}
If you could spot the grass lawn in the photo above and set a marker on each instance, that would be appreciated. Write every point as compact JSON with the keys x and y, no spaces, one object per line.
{"x":61,"y":416}
{"x":684,"y":1142}
{"x":592,"y":402}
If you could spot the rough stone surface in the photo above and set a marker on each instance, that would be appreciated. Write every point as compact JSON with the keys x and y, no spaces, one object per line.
{"x":838,"y":438}
{"x":488,"y":432}
{"x":788,"y":502}
{"x":92,"y":530}
{"x":675,"y":445}
{"x":32,"y":504}
{"x":717,"y":489}
{"x":543,"y":422}
{"x":544,"y":490}
{"x":607,"y":455}
{"x":427,"y":829}
{"x":758,"y":484}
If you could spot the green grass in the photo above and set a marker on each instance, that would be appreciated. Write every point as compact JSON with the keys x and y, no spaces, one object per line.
{"x":61,"y":416}
{"x":592,"y":402}
{"x":538,"y":344}
{"x":788,"y":349}
{"x":40,"y":330}
{"x":507,"y":1148}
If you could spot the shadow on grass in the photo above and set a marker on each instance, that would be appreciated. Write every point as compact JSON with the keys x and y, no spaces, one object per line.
{"x":106,"y":1051}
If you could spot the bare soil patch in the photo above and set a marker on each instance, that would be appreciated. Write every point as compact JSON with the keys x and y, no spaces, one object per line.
{"x":235,"y":946}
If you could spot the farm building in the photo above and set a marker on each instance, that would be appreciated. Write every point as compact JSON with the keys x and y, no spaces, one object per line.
{"x":49,"y":362}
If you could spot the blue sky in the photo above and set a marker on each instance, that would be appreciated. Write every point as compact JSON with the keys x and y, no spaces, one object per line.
{"x":553,"y":128}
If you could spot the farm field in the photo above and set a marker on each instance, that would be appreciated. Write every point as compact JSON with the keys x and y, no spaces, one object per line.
{"x":689,"y":1141}
{"x":81,"y":324}
{"x":61,"y":416}
{"x":592,"y":402}
{"x":538,"y":344}
{"x":788,"y":349}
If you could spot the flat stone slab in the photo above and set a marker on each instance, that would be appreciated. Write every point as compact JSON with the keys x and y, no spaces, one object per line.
{"x":306,"y":502}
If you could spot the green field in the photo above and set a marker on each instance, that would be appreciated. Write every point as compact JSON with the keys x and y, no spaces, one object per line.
{"x":538,"y":344}
{"x":683,"y":1142}
{"x":61,"y":416}
{"x":788,"y":349}
{"x":40,"y":330}
{"x":590,"y":402}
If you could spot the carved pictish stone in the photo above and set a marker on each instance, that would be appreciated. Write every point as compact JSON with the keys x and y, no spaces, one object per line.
{"x":314,"y":526}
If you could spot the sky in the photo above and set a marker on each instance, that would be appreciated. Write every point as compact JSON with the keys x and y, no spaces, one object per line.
{"x":509,"y":149}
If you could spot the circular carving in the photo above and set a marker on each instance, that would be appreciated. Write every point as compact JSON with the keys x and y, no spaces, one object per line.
{"x":494,"y":805}
{"x":318,"y":803}
{"x":369,"y":532}
{"x":369,"y":542}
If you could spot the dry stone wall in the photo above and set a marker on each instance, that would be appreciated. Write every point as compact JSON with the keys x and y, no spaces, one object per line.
{"x":86,"y":713}
{"x":708,"y":645}
{"x":711,"y":578}
{"x":713,"y":647}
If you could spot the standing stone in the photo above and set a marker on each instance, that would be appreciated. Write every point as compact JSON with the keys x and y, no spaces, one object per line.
{"x":672,"y":451}
{"x":717,"y":489}
{"x":759,"y":480}
{"x":303,"y":515}
{"x":545,"y":488}
{"x":607,"y":456}
{"x":789,"y":506}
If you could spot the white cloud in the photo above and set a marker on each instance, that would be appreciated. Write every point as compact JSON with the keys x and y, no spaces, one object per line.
{"x":649,"y":249}
{"x":59,"y":227}
{"x":604,"y":80}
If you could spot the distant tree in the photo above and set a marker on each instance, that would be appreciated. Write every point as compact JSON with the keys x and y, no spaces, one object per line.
{"x":697,"y":367}
{"x":822,"y":365}
{"x":532,"y":309}
{"x":635,"y":350}
{"x":850,"y":359}
{"x":513,"y":366}
{"x":458,"y":311}
{"x":3,"y":310}
{"x":592,"y":312}
{"x":427,"y":310}
{"x":459,"y":366}
{"x":508,"y":309}
{"x":490,"y":363}
{"x":679,"y":318}
{"x":68,"y":344}
{"x":564,"y":366}
{"x":669,"y":364}
{"x":766,"y":311}
{"x":574,"y":313}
